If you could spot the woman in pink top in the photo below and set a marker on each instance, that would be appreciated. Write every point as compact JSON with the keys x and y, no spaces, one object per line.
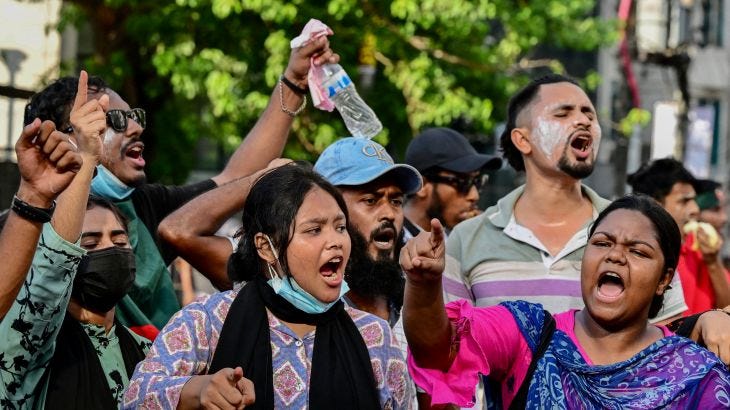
{"x":607,"y":355}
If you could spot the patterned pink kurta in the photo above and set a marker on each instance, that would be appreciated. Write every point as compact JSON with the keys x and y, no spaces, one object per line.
{"x":185,"y":348}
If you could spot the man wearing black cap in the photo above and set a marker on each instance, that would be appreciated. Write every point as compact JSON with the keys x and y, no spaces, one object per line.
{"x":453,"y":174}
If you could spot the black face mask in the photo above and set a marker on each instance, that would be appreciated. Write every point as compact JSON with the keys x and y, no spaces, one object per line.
{"x":103,"y":278}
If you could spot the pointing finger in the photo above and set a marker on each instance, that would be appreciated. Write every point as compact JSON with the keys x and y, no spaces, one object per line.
{"x":437,"y":233}
{"x":81,"y":91}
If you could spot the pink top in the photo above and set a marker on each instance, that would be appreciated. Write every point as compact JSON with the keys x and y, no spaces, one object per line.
{"x":490,"y":344}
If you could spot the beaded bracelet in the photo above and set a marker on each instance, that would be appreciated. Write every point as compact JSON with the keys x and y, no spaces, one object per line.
{"x":284,"y":108}
{"x":32,"y":213}
{"x":297,"y":89}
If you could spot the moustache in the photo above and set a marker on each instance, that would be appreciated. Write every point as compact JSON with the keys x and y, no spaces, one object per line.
{"x":382,"y":229}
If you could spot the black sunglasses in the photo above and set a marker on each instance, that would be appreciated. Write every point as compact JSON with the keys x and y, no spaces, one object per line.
{"x":117,"y":119}
{"x":461,"y":184}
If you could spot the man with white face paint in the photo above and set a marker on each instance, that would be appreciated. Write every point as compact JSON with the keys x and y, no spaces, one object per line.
{"x":530,"y":244}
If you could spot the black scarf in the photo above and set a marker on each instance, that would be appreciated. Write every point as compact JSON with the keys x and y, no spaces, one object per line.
{"x":342,"y":376}
{"x":76,"y":379}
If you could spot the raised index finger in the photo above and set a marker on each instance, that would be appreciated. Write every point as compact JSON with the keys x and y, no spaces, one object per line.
{"x":437,"y":233}
{"x":81,"y":91}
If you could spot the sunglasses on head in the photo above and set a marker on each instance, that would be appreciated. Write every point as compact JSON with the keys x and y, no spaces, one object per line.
{"x":462,"y":184}
{"x":117,"y":119}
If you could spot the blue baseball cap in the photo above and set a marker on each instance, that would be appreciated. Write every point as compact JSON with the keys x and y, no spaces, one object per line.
{"x":358,"y":161}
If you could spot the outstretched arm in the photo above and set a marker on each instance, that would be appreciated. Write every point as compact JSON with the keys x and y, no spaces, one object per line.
{"x":191,"y":229}
{"x":267,"y":138}
{"x":423,"y":260}
{"x":88,"y":120}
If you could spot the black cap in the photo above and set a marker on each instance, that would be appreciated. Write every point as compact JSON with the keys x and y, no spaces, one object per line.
{"x":447,"y":149}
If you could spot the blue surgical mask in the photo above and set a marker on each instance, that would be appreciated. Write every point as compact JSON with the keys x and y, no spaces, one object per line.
{"x":108,"y":186}
{"x":289,"y":289}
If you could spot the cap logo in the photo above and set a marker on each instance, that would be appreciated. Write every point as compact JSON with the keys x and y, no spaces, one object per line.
{"x":372,"y":150}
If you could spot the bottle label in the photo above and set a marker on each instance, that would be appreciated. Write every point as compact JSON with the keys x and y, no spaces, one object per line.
{"x":342,"y":82}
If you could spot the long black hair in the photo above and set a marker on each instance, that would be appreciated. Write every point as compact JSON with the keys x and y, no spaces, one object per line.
{"x":270,"y":208}
{"x":665,"y":229}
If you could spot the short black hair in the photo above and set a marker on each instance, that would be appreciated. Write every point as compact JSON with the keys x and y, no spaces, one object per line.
{"x":516,"y":104}
{"x":665,"y":228}
{"x":270,"y":208}
{"x":656,"y":178}
{"x":55,"y":101}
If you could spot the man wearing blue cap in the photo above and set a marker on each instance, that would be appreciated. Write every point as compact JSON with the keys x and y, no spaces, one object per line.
{"x":453,"y":174}
{"x":373,"y":187}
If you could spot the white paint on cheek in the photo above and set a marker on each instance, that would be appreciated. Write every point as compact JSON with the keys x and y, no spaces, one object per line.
{"x":597,"y":139}
{"x":108,"y":136}
{"x":549,"y":134}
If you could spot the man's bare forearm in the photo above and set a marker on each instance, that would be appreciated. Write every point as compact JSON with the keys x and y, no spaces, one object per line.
{"x":191,"y":229}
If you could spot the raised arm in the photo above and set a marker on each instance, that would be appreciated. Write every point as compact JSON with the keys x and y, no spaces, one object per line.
{"x":47,"y":162}
{"x":423,"y":260}
{"x":191,"y":229}
{"x":267,"y":138}
{"x":88,"y":120}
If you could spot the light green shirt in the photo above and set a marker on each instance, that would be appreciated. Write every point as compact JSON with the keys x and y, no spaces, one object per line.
{"x":31,"y":326}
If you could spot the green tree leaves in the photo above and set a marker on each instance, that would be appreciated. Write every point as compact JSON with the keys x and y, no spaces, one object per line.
{"x":214,"y":63}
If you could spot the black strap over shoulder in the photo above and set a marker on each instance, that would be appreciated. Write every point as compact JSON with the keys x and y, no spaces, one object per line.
{"x":548,"y":328}
{"x":684,"y":326}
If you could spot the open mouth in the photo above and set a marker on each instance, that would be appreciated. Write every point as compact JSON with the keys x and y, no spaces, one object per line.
{"x":331,"y":267}
{"x":384,"y":239}
{"x":134,"y":151}
{"x":610,"y":285}
{"x":582,"y":142}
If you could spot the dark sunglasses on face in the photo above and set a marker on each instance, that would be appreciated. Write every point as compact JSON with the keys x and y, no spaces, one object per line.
{"x":117,"y":119}
{"x":461,"y":183}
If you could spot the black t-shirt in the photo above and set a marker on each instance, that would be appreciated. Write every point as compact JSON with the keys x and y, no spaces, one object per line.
{"x":153,"y":202}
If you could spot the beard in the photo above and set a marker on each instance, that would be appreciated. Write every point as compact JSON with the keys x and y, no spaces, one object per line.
{"x":369,"y":277}
{"x":578,"y":170}
{"x":435,"y":208}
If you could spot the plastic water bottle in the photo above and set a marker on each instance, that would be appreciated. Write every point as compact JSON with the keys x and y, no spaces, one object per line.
{"x":359,"y":119}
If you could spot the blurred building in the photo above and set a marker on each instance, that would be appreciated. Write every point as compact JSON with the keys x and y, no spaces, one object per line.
{"x":673,"y":62}
{"x":32,"y":52}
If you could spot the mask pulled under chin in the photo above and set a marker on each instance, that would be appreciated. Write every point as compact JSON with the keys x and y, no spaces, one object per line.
{"x":290,"y":290}
{"x":107,"y":185}
{"x":103,"y":278}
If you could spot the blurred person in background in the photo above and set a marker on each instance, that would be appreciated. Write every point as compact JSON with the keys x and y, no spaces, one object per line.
{"x":453,"y":173}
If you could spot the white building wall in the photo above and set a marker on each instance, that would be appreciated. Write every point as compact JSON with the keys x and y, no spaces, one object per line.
{"x":27,"y":31}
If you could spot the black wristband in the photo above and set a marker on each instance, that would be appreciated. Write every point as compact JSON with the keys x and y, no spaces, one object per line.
{"x":32,"y":213}
{"x":297,"y":89}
